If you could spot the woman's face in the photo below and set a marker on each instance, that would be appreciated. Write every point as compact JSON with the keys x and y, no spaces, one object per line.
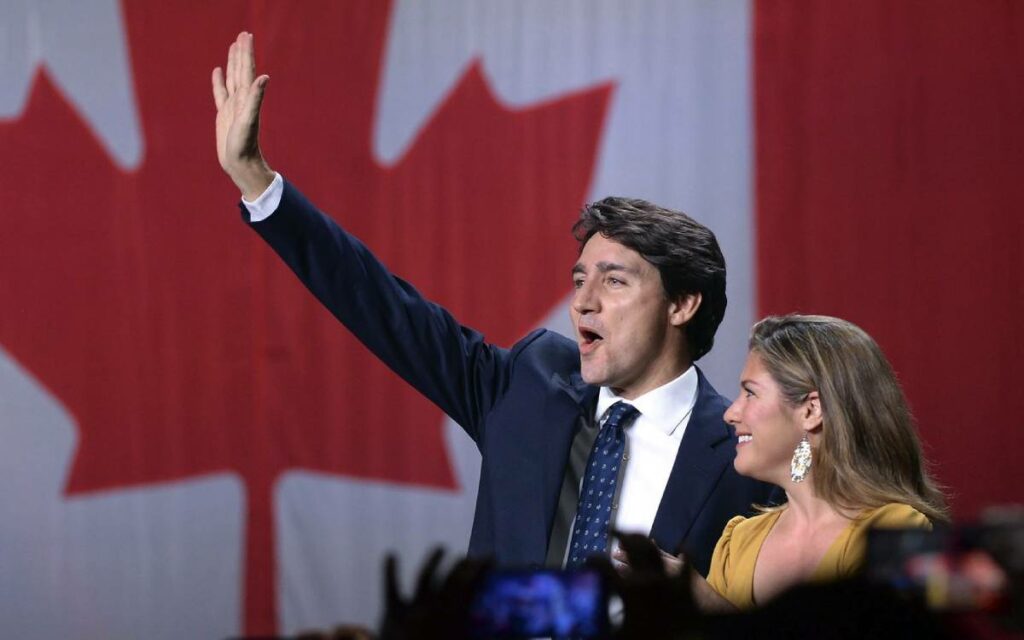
{"x":768,"y":429}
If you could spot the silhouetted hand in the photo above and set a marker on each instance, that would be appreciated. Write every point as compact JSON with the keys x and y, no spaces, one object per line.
{"x":657,"y":603}
{"x":436,"y":609}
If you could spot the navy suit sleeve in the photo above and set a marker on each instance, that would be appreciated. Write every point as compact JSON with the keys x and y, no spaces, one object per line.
{"x":450,"y":364}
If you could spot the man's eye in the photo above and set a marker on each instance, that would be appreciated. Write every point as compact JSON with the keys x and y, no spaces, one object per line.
{"x":615,"y":281}
{"x":577,"y":283}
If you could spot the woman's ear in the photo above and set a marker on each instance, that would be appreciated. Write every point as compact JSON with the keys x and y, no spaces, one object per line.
{"x":810,"y":413}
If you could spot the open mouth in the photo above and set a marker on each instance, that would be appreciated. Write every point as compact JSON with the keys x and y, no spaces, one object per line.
{"x":589,"y":340}
{"x":744,"y":438}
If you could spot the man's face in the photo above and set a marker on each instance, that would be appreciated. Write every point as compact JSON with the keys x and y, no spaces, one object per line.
{"x":628,"y":331}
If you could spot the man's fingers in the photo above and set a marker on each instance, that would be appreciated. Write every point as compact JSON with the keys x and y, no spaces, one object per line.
{"x":231,"y":67}
{"x":220,"y":92}
{"x":246,"y":60}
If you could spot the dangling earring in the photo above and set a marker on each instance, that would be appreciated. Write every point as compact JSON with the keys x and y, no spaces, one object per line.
{"x":801,"y":462}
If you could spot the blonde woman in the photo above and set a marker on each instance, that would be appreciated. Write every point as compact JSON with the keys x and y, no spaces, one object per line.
{"x":821,"y":415}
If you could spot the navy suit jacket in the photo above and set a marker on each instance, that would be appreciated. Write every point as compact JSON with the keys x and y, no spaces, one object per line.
{"x":521,"y":406}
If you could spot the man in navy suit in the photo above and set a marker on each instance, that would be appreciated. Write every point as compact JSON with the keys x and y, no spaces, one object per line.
{"x":621,"y":410}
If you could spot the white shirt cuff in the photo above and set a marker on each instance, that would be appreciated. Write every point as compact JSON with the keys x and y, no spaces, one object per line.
{"x":266,"y":204}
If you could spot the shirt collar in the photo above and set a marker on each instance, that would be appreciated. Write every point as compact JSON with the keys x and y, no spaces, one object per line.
{"x":664,"y":408}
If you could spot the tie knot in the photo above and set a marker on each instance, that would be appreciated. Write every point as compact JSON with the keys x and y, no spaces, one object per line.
{"x":620,"y":414}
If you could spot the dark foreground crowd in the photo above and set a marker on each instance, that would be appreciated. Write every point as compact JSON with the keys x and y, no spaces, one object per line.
{"x":658,"y":604}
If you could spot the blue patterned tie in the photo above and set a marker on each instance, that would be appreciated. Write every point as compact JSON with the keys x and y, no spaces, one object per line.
{"x":594,"y":509}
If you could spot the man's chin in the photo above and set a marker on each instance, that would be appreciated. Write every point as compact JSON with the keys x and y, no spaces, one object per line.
{"x":591,"y":376}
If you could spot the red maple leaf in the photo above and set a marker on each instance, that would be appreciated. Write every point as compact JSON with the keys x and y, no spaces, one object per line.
{"x":176,"y":338}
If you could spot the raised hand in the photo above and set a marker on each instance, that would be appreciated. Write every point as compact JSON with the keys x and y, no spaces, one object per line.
{"x":657,"y":602}
{"x":438,"y":608}
{"x":674,"y":565}
{"x":238,"y":94}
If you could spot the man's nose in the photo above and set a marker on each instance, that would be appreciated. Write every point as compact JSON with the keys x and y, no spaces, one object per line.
{"x":584,"y":299}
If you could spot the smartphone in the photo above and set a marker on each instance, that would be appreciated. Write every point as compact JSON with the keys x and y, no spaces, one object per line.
{"x":540,"y":603}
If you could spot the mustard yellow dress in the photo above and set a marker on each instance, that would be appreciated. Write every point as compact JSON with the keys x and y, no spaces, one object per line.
{"x":732,"y":565}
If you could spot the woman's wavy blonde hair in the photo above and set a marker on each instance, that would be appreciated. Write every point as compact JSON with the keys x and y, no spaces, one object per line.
{"x":868,"y":453}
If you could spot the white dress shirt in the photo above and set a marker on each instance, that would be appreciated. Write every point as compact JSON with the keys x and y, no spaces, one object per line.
{"x":652,"y":442}
{"x":261,"y":208}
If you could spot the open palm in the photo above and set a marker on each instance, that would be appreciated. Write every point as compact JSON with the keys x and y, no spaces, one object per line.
{"x":238,"y":94}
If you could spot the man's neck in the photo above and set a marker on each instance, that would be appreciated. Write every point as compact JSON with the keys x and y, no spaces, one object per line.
{"x":665,"y":405}
{"x":657,"y":379}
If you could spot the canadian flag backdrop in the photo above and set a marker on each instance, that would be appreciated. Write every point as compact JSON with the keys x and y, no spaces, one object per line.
{"x":192,"y":447}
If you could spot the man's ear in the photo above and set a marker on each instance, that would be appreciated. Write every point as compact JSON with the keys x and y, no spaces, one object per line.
{"x":683,"y":308}
{"x":810,"y":413}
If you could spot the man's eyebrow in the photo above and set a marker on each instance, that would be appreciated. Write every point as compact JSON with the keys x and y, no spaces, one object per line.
{"x":604,"y":267}
{"x":747,"y":382}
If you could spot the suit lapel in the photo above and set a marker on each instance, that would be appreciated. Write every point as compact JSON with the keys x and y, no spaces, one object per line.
{"x":583,"y":395}
{"x":698,"y":466}
{"x":532,"y":478}
{"x":573,"y":399}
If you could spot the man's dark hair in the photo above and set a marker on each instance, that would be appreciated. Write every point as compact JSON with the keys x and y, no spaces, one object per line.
{"x":685,"y":252}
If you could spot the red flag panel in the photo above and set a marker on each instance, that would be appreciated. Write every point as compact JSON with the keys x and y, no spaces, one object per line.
{"x":889,"y":152}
